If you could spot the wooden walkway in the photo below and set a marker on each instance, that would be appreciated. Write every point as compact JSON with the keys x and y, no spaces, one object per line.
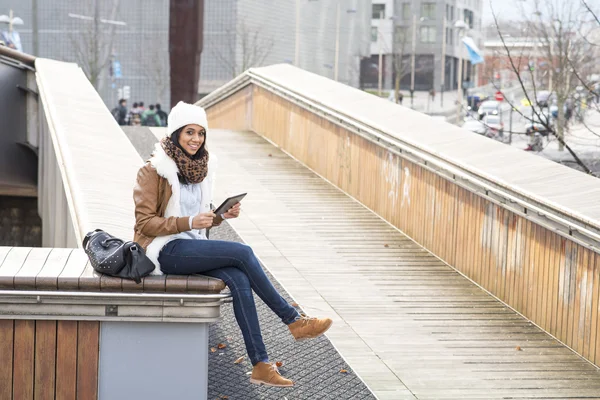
{"x":409,"y":325}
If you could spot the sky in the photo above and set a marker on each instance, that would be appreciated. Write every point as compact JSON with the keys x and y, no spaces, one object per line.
{"x":505,"y":9}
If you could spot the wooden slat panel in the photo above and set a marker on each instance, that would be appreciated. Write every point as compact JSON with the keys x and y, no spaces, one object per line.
{"x":25,"y":278}
{"x":13,"y":262}
{"x":69,"y":277}
{"x":6,"y":357}
{"x":66,"y":360}
{"x":45,"y":359}
{"x":4,"y":250}
{"x":87,"y":359}
{"x":47,"y":278}
{"x":594,"y":325}
{"x":23,"y":359}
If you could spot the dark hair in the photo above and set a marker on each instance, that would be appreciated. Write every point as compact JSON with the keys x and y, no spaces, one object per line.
{"x":157,"y":106}
{"x":135,"y":105}
{"x":141,"y":104}
{"x":199,"y":154}
{"x":122,"y":101}
{"x":152,"y":106}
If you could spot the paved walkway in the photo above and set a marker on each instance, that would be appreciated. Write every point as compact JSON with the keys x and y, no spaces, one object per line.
{"x":408,"y":324}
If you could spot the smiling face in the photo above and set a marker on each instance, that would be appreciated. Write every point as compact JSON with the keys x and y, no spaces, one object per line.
{"x":191,"y":138}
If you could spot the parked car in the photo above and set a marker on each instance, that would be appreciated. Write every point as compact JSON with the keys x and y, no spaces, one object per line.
{"x":474,"y":125}
{"x":490,"y":107}
{"x":493,"y":125}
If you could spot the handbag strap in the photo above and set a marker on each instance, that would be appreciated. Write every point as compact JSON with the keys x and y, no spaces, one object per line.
{"x":87,"y":237}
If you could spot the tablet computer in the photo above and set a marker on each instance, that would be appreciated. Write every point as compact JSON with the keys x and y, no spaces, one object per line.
{"x":230,"y":202}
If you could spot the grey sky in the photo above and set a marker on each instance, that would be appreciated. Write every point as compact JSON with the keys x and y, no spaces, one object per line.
{"x":504,"y":9}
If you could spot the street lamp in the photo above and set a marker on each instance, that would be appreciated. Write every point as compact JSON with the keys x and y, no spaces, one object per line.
{"x":337,"y":35}
{"x":297,"y":44}
{"x":412,"y":60}
{"x":462,"y":27}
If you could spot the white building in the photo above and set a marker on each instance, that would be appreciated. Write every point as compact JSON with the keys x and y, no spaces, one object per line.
{"x":252,"y":33}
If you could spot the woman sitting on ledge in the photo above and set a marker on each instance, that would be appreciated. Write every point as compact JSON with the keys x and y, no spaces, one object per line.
{"x":172,"y":211}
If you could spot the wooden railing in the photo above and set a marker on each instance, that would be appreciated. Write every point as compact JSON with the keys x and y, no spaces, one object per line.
{"x":533,"y":243}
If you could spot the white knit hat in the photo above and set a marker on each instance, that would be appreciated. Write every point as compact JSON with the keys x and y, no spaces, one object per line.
{"x":186,"y":114}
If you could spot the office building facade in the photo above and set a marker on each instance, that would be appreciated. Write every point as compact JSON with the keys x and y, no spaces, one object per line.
{"x":392,"y":35}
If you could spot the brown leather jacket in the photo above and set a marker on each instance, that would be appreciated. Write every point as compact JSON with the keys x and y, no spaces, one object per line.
{"x":151,"y":195}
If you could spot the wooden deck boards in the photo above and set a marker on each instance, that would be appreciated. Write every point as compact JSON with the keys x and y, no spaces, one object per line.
{"x":408,"y":324}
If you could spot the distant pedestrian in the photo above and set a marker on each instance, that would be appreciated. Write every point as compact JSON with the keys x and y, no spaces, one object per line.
{"x":400,"y":98}
{"x":120,"y":112}
{"x":432,"y":94}
{"x":150,"y":118}
{"x":161,"y":115}
{"x":141,"y":106}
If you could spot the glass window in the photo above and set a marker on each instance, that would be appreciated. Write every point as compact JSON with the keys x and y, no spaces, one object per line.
{"x":378,"y":11}
{"x":428,"y":10}
{"x":468,"y":17}
{"x":406,"y":11}
{"x":374,"y":33}
{"x":428,"y":34}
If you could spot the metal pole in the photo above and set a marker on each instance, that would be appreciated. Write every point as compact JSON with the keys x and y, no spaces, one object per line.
{"x":34,"y":23}
{"x":337,"y":42}
{"x":10,"y":22}
{"x":460,"y":80}
{"x":297,"y":47}
{"x":412,"y":62}
{"x":443,"y":76}
{"x":380,"y":68}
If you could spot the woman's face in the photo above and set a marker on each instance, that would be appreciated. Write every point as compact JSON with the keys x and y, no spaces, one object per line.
{"x":191,"y":138}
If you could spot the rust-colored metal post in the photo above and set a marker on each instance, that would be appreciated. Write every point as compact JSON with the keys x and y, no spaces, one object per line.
{"x":186,"y":27}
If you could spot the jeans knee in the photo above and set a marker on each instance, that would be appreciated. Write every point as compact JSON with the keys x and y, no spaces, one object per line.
{"x":237,"y":281}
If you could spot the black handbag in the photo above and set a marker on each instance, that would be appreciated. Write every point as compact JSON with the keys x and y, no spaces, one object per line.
{"x":112,"y":256}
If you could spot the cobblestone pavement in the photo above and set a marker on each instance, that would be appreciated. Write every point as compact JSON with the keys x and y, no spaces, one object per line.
{"x":314,"y":365}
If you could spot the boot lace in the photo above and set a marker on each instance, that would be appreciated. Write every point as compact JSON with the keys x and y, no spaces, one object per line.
{"x":306,"y":320}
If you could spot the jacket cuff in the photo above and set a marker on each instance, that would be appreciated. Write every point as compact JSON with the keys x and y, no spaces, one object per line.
{"x":183,"y":224}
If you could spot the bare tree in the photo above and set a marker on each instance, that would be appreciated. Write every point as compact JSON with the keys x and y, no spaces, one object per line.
{"x":246,"y":47}
{"x":558,"y":30}
{"x":401,"y":57}
{"x":93,"y":45}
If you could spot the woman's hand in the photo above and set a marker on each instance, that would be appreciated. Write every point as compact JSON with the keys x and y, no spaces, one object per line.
{"x":233,"y":212}
{"x":204,"y":220}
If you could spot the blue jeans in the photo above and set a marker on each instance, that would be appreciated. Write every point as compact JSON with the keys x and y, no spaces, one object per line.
{"x":236,"y":265}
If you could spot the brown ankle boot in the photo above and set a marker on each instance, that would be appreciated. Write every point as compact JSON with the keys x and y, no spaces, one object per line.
{"x":308,"y":328}
{"x":268,"y":374}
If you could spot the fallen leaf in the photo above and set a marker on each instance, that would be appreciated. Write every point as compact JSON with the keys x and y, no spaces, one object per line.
{"x":386,"y":245}
{"x":343,"y":371}
{"x":270,"y":155}
{"x":224,"y":397}
{"x":294,"y":304}
{"x":221,"y":346}
{"x":239,"y":360}
{"x":229,"y":339}
{"x":213,"y":350}
{"x":278,"y":364}
{"x":518,"y":348}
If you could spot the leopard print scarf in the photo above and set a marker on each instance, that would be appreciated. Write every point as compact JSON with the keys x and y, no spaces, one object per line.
{"x":194,"y":171}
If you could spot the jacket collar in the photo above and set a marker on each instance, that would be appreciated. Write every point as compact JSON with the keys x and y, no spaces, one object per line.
{"x":164,"y":165}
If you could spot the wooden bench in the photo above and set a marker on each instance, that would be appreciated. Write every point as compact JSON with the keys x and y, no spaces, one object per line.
{"x":95,"y":336}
